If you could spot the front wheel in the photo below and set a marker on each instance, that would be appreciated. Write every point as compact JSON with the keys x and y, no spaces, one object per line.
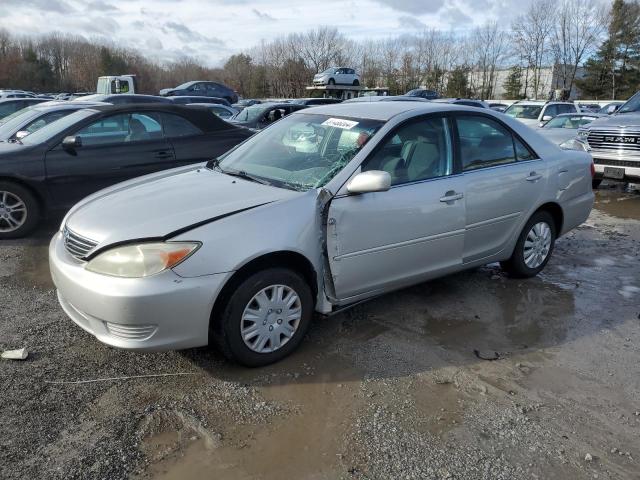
{"x":332,"y":81}
{"x":265,"y":318}
{"x":19,"y":211}
{"x":534,"y":247}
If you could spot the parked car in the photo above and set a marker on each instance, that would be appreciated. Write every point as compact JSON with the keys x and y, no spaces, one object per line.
{"x":614,"y":143}
{"x":562,"y":130}
{"x":95,"y":147}
{"x":463,"y":101}
{"x":9,"y":106}
{"x":368,"y":99}
{"x":337,"y":76}
{"x":534,"y":112}
{"x":221,"y":111}
{"x":31,"y":119}
{"x":498,"y":107}
{"x":312,"y":102}
{"x":122,"y":98}
{"x":243,"y":252}
{"x":184,"y":100}
{"x":589,"y":107}
{"x":202,"y":89}
{"x":423,"y":93}
{"x":611,"y":108}
{"x":15,"y":94}
{"x":264,"y":114}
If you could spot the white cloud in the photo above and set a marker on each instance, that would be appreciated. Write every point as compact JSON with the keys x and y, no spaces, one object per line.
{"x":211,"y":30}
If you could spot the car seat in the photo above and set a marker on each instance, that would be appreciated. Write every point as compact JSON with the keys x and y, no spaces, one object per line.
{"x":137,"y":131}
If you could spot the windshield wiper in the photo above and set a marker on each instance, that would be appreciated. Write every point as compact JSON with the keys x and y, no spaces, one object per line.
{"x":244,"y":175}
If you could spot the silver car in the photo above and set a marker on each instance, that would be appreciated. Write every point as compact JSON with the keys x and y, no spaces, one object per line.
{"x":327,"y":207}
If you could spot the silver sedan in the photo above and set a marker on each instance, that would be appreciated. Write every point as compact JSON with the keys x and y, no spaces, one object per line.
{"x":327,"y":207}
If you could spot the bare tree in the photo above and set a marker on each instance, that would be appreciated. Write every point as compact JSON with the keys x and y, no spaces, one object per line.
{"x":577,"y":30}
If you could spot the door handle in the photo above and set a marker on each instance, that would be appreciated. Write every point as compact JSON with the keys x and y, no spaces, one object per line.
{"x":164,"y":155}
{"x":451,"y":196}
{"x":533,"y":177}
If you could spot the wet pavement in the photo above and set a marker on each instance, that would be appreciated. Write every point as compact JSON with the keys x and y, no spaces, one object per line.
{"x":394,"y":388}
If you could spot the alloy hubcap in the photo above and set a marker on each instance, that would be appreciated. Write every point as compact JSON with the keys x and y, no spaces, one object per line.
{"x":13,"y":212}
{"x":537,"y":245}
{"x":271,"y":318}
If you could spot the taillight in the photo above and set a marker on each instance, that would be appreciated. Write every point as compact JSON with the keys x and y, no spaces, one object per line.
{"x":593,"y":169}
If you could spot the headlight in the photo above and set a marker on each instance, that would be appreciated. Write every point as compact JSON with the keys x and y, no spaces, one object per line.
{"x":574,"y":144}
{"x":141,"y":260}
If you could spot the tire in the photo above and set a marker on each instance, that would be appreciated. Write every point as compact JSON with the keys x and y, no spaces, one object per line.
{"x":235,"y":316}
{"x":356,"y":83}
{"x":19,"y":211}
{"x":595,"y":183}
{"x":518,"y":266}
{"x":332,"y":81}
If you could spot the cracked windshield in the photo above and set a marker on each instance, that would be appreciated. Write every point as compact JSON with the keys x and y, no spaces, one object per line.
{"x":302,"y":151}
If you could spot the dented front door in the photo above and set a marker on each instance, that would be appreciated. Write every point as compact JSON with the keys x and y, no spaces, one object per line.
{"x":384,"y":240}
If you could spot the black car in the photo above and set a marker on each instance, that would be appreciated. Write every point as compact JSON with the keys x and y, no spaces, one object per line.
{"x":264,"y":114}
{"x":12,"y":105}
{"x":202,"y":89}
{"x":184,"y":100}
{"x":123,"y":98}
{"x":310,"y":102}
{"x":93,"y":148}
{"x":423,"y":93}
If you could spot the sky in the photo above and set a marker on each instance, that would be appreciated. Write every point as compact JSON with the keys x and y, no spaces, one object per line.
{"x":212,"y":30}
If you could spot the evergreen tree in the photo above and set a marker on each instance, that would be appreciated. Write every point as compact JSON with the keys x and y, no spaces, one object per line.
{"x":513,"y":84}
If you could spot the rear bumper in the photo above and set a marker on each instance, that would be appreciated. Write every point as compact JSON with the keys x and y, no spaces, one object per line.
{"x":576,"y":211}
{"x":161,"y":312}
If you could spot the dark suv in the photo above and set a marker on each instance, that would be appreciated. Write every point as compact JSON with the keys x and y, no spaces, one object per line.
{"x":201,"y":89}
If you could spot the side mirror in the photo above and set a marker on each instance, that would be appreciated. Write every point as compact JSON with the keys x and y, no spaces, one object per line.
{"x":71,"y":143}
{"x":21,"y":134}
{"x":371,"y":181}
{"x":546,"y":118}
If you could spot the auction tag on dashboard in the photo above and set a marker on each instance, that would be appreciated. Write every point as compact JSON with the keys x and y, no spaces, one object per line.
{"x":339,"y":123}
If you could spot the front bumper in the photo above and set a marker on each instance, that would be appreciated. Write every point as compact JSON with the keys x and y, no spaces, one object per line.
{"x":630,"y":163}
{"x":161,"y":312}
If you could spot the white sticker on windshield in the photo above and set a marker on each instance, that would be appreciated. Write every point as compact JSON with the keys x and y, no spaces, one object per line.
{"x":339,"y":123}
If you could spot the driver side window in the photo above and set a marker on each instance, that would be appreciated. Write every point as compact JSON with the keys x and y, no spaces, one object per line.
{"x":417,"y":151}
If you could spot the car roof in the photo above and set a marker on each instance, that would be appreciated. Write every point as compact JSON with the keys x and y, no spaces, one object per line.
{"x":199,"y":116}
{"x":384,"y":111}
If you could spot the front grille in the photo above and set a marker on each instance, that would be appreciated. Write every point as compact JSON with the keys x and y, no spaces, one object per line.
{"x":618,"y":140}
{"x":617,"y":163}
{"x":77,"y":245}
{"x":130,"y":332}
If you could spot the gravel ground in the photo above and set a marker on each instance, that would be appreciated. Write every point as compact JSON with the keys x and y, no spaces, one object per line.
{"x":398,"y":387}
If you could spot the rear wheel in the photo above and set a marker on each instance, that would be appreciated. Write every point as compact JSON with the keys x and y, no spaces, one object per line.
{"x":19,"y":211}
{"x":265,"y":318}
{"x":595,"y":183}
{"x":356,"y":83}
{"x":534,"y":247}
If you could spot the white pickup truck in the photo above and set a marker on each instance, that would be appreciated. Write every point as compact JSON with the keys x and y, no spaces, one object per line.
{"x":614,"y":143}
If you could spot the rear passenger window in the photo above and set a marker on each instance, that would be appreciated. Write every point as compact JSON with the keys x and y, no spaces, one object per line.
{"x":175,"y":126}
{"x":418,"y":151}
{"x":484,"y":143}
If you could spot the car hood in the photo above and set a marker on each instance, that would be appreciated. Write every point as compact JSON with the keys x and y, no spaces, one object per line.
{"x":166,"y":91}
{"x":530,"y":122}
{"x":8,"y":149}
{"x":558,"y":135}
{"x":620,"y":120}
{"x":162,"y":206}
